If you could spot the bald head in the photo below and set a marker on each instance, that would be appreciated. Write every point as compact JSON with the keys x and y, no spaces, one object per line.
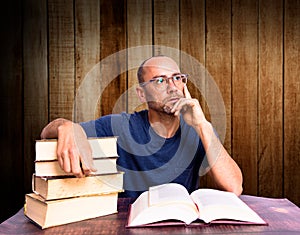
{"x":157,"y":63}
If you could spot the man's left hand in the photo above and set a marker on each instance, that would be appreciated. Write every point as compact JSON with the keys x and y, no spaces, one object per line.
{"x":190,"y":109}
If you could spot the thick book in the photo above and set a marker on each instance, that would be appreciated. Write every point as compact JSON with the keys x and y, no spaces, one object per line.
{"x":57,"y":212}
{"x":171,"y":204}
{"x":101,"y":147}
{"x":52,"y":168}
{"x":58,"y":187}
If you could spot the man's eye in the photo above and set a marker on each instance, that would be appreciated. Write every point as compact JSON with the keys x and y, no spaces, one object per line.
{"x":177,"y":78}
{"x":159,"y":80}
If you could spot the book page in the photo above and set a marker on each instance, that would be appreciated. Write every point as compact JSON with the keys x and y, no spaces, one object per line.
{"x":215,"y":204}
{"x":166,"y":204}
{"x":167,"y":193}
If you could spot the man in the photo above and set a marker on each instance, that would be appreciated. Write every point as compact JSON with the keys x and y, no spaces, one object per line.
{"x":166,"y":143}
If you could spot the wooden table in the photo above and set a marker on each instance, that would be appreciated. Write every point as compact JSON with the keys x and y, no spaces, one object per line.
{"x":282,"y":216}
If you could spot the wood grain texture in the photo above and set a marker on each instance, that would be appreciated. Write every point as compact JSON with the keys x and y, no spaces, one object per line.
{"x":35,"y":71}
{"x":218,"y":64}
{"x":166,"y":28}
{"x":112,"y":41}
{"x":139,"y":34}
{"x":270,"y":103}
{"x":291,"y":101}
{"x":218,"y":60}
{"x":61,"y":59}
{"x":87,"y":43}
{"x":192,"y":43}
{"x":244,"y":90}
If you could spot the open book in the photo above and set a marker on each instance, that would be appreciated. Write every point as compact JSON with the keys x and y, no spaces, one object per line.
{"x":172,"y":202}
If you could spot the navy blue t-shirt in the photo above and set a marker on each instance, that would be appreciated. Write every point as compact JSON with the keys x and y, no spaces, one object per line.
{"x":147,"y":158}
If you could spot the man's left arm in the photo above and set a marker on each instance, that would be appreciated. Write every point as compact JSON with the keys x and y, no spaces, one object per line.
{"x":223,"y":169}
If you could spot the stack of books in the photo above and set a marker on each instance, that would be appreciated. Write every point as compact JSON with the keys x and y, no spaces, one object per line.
{"x":60,"y":198}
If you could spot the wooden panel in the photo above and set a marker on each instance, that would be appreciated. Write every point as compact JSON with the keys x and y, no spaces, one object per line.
{"x":270,"y":98}
{"x":11,"y":144}
{"x":113,"y":40}
{"x":35,"y":81}
{"x":139,"y":36}
{"x":244,"y":90}
{"x":218,"y":62}
{"x":192,"y":25}
{"x":166,"y":28}
{"x":87,"y":40}
{"x":291,"y":101}
{"x":61,"y":58}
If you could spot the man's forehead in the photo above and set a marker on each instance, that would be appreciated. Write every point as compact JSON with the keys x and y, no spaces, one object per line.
{"x":162,"y":64}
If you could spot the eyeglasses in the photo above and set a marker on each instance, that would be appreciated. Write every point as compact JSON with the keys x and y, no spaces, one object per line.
{"x":161,"y":82}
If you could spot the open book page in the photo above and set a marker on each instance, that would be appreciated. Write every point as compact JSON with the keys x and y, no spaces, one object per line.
{"x":167,"y":193}
{"x":215,"y":204}
{"x":160,"y":203}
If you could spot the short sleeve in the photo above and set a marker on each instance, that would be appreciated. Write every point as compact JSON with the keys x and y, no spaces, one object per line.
{"x":101,"y":127}
{"x":89,"y":128}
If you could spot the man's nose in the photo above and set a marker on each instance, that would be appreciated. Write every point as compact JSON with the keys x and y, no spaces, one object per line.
{"x":171,"y":85}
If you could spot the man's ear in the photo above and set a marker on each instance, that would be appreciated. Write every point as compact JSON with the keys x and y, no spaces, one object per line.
{"x":141,"y":94}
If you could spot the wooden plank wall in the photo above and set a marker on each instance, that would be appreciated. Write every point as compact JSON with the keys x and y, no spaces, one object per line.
{"x":250,"y":48}
{"x":291,"y":96}
{"x":11,"y":106}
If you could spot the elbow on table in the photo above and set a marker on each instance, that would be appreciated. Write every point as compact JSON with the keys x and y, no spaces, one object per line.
{"x":237,"y":190}
{"x":237,"y":184}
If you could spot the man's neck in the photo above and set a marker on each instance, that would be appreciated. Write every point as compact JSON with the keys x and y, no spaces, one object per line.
{"x":163,"y":124}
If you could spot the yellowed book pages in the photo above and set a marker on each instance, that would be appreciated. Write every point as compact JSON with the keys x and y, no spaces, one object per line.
{"x":101,"y":147}
{"x":63,"y":187}
{"x":52,"y":168}
{"x":57,"y":212}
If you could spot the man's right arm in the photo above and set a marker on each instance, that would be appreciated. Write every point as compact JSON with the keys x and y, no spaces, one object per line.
{"x":74,"y":153}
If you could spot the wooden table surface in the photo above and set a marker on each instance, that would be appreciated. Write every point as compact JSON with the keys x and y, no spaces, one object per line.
{"x":282,"y":216}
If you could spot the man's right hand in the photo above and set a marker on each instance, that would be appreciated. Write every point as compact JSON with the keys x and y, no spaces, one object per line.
{"x":74,"y":152}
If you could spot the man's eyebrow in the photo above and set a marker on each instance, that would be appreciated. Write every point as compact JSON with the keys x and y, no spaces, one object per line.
{"x":157,"y":76}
